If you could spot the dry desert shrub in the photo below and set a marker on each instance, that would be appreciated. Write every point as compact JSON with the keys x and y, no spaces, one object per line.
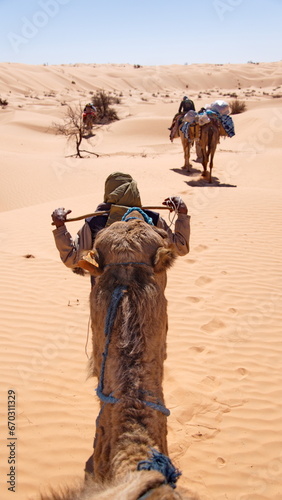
{"x":72,"y":127}
{"x":3,"y":102}
{"x":102,"y":103}
{"x":237,"y":106}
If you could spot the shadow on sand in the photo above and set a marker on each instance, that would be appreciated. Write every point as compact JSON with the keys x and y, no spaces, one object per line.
{"x":184,"y":172}
{"x":201,"y":182}
{"x":88,"y":135}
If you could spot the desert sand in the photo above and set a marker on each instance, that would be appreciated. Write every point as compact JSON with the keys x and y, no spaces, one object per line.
{"x":223,"y":376}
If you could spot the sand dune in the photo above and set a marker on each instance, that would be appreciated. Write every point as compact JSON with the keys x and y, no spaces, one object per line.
{"x":151,"y":79}
{"x":223,"y":380}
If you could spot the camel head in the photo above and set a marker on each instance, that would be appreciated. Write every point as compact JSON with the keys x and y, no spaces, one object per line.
{"x":132,"y":241}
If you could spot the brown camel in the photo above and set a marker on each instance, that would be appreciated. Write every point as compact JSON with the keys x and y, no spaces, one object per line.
{"x":88,"y":122}
{"x":207,"y":137}
{"x":129,"y":326}
{"x":187,"y":142}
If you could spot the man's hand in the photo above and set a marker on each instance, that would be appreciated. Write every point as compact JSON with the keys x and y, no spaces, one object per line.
{"x":176,"y":203}
{"x":59,"y":216}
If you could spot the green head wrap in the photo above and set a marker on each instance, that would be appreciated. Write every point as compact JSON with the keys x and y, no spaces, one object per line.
{"x":121,"y":189}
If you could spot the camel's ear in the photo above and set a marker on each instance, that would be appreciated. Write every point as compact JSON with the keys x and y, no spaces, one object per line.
{"x":163,"y":259}
{"x":89,"y":263}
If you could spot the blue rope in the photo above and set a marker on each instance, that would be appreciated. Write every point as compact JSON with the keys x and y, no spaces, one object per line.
{"x":116,"y":297}
{"x":146,"y":217}
{"x":106,"y":399}
{"x":146,"y":495}
{"x":110,"y":318}
{"x":158,"y":407}
{"x":162,"y":464}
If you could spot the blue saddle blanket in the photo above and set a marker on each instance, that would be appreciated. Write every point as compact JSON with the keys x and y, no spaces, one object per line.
{"x":226,"y":122}
{"x":185,"y":129}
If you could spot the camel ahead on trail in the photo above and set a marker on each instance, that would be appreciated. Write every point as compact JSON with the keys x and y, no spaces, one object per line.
{"x":206,"y":144}
{"x":88,"y":123}
{"x":129,"y":327}
{"x":204,"y":129}
{"x":209,"y":139}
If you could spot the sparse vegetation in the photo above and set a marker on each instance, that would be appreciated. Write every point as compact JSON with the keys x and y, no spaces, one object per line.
{"x":237,"y":106}
{"x":3,"y":102}
{"x":72,"y":127}
{"x":51,"y":93}
{"x":102,"y":102}
{"x":230,"y":94}
{"x":115,"y":100}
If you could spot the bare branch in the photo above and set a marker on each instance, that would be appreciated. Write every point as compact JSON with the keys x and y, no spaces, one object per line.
{"x":72,"y":127}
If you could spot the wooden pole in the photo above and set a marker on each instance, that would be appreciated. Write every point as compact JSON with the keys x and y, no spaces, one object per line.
{"x":80,"y":217}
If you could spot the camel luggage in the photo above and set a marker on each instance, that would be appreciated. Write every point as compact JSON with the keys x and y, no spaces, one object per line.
{"x":190,"y":116}
{"x":203,"y":118}
{"x":220,"y":107}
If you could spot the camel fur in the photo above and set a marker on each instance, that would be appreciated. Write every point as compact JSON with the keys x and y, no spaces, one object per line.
{"x":134,"y":256}
{"x":132,"y":487}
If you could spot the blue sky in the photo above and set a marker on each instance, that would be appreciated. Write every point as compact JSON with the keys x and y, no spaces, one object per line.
{"x":146,"y":32}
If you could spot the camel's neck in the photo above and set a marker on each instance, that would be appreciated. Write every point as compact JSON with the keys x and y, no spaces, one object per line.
{"x":125,"y":434}
{"x":129,"y":360}
{"x":132,"y":361}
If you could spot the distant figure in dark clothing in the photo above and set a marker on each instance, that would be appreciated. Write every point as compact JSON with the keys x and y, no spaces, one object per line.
{"x":186,"y":105}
